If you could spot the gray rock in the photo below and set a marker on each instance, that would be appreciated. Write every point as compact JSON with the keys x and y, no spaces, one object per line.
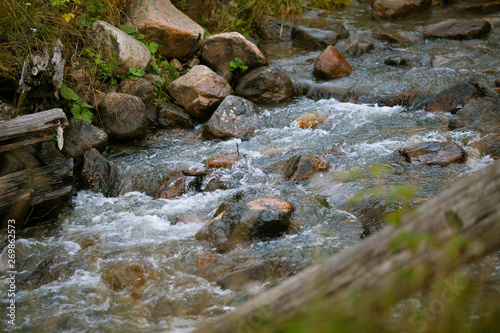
{"x":458,"y":29}
{"x":482,"y":114}
{"x":80,"y":136}
{"x":265,"y":85}
{"x":394,"y":9}
{"x":317,"y":39}
{"x":432,"y":153}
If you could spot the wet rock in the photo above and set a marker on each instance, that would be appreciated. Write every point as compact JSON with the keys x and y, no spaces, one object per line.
{"x":214,"y":183}
{"x":317,"y":39}
{"x":200,"y":91}
{"x":172,"y":186}
{"x":274,"y":29}
{"x":408,"y":60}
{"x":217,"y":51}
{"x":80,"y":136}
{"x":355,"y":48}
{"x":318,"y":92}
{"x":299,"y":167}
{"x":123,"y":117}
{"x":458,"y":29}
{"x":172,"y":116}
{"x":130,"y":275}
{"x":451,"y":99}
{"x":370,"y":212}
{"x":404,"y":98}
{"x":330,"y":64}
{"x":489,"y":145}
{"x":243,"y":221}
{"x":235,"y":117}
{"x":482,"y":114}
{"x":237,"y":280}
{"x":129,"y":51}
{"x":485,"y":8}
{"x":432,"y":153}
{"x":265,"y":85}
{"x":176,"y":34}
{"x":222,"y":161}
{"x":394,"y":9}
{"x":398,"y":37}
{"x":98,"y":174}
{"x":310,"y":120}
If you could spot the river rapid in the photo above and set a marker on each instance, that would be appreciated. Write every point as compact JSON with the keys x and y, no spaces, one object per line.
{"x":62,"y":266}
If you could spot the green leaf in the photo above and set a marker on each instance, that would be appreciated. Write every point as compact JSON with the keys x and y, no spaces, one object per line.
{"x":87,"y":115}
{"x":134,"y":73}
{"x":85,"y":105}
{"x":140,"y":37}
{"x":68,"y":93}
{"x":95,"y":6}
{"x":153,"y":47}
{"x":127,"y":29}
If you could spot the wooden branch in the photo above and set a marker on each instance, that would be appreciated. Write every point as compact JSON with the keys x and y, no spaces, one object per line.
{"x":21,"y":191}
{"x":470,"y":209}
{"x":42,"y":124}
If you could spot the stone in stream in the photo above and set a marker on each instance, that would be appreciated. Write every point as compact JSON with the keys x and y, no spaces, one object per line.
{"x":239,"y":221}
{"x":354,"y":48}
{"x":451,"y":99}
{"x":80,"y":136}
{"x":235,"y":117}
{"x":129,"y":51}
{"x":330,"y":64}
{"x":398,"y":37}
{"x":265,"y":85}
{"x":310,"y":120}
{"x":200,"y":91}
{"x":176,"y":34}
{"x":274,"y":29}
{"x":98,"y":174}
{"x":317,"y":39}
{"x":431,"y":153}
{"x":489,"y":145}
{"x":458,"y":29}
{"x":394,"y":9}
{"x":482,"y":114}
{"x":239,"y":279}
{"x":217,"y":51}
{"x":408,"y":60}
{"x":299,"y":167}
{"x":485,"y":8}
{"x":123,"y":117}
{"x":130,"y":275}
{"x":171,"y":116}
{"x":172,"y":186}
{"x":222,"y":161}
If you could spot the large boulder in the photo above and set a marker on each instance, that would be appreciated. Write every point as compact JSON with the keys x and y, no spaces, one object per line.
{"x":80,"y":136}
{"x":217,"y":51}
{"x":394,"y":9}
{"x":235,"y":117}
{"x":200,"y":91}
{"x":481,"y":115}
{"x":123,"y":117}
{"x":299,"y":167}
{"x":451,"y":99}
{"x":176,"y":34}
{"x":265,"y":85}
{"x":432,"y":153}
{"x":317,"y":39}
{"x":129,"y":51}
{"x":458,"y":29}
{"x":241,"y":221}
{"x":331,"y":64}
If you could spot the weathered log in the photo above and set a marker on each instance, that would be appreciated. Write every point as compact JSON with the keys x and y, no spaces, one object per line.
{"x":469,"y":211}
{"x":32,"y":194}
{"x":19,"y":132}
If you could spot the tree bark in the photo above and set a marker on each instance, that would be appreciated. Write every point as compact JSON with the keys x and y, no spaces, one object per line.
{"x":469,"y":211}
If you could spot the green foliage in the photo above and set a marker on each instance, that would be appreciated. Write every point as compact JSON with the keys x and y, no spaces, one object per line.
{"x":237,"y":63}
{"x":103,"y":65}
{"x":79,"y":109}
{"x":328,"y":4}
{"x":134,"y":73}
{"x":127,"y":29}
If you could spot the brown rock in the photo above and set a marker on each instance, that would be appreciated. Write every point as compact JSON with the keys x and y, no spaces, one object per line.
{"x":172,"y":186}
{"x":217,"y":51}
{"x":330,"y":64}
{"x":265,"y":85}
{"x":458,"y":29}
{"x":222,"y":161}
{"x":299,"y":167}
{"x":172,"y":116}
{"x":317,"y":39}
{"x":200,"y":91}
{"x":318,"y":92}
{"x":486,"y":8}
{"x":142,"y":88}
{"x":129,"y":275}
{"x":235,"y":117}
{"x":176,"y":34}
{"x":433,"y":153}
{"x":482,"y":114}
{"x":310,"y":120}
{"x":123,"y":117}
{"x":98,"y":174}
{"x":274,"y":29}
{"x":398,"y":37}
{"x":237,"y":280}
{"x":489,"y":145}
{"x":452,"y":98}
{"x":394,"y":9}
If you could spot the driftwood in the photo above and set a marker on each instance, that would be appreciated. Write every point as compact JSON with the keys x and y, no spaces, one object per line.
{"x":30,"y":129}
{"x":33,"y":194}
{"x":468,"y":211}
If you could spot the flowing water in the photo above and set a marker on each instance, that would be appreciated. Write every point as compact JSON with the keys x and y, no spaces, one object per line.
{"x":62,"y":266}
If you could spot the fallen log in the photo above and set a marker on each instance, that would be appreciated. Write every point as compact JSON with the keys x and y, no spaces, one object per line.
{"x":32,"y":128}
{"x":33,"y":194}
{"x":468,"y":212}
